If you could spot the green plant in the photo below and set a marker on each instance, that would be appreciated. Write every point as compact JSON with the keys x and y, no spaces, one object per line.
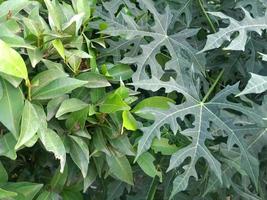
{"x":133,"y":99}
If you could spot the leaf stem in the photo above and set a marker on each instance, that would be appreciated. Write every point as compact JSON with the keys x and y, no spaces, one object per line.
{"x":153,"y":188}
{"x":207,"y":16}
{"x":212,"y":87}
{"x":29,"y":86}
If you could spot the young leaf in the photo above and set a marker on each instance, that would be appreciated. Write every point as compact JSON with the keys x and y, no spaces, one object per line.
{"x":29,"y":124}
{"x":11,"y":62}
{"x":129,"y":121}
{"x":113,"y":103}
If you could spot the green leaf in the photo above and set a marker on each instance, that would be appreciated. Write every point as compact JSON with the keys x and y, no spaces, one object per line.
{"x":70,"y":105}
{"x":162,"y":145}
{"x":181,"y":52}
{"x":79,"y":153}
{"x":3,"y":174}
{"x":59,"y":179}
{"x":53,"y":106}
{"x":57,"y":88}
{"x":13,"y":7}
{"x":82,"y":6}
{"x":156,"y":102}
{"x":59,"y":47}
{"x":146,"y":162}
{"x":48,"y":196}
{"x":35,"y":56}
{"x":94,"y":80}
{"x":243,"y":27}
{"x":24,"y":190}
{"x":113,"y":103}
{"x":123,"y":145}
{"x":6,"y":194}
{"x":120,"y":168}
{"x":1,"y":91}
{"x":129,"y":121}
{"x":11,"y":62}
{"x":29,"y":124}
{"x":12,"y":105}
{"x":90,"y":177}
{"x":120,"y":72}
{"x":53,"y":143}
{"x":200,"y":131}
{"x":7,"y":146}
{"x":54,"y":14}
{"x":256,"y":84}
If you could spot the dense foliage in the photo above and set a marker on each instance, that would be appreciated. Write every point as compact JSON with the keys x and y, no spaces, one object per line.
{"x":133,"y":99}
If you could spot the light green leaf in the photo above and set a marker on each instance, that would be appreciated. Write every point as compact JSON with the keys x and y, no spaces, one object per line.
{"x":59,"y":47}
{"x":162,"y":145}
{"x":156,"y":102}
{"x":120,"y":168}
{"x":12,"y":105}
{"x":70,"y":105}
{"x":145,"y":161}
{"x":54,"y":14}
{"x":120,"y":72}
{"x":57,"y":88}
{"x":53,"y":143}
{"x":29,"y":124}
{"x":11,"y":62}
{"x":128,"y":121}
{"x":79,"y":153}
{"x":12,"y":6}
{"x":113,"y":103}
{"x":256,"y":84}
{"x":35,"y":56}
{"x":4,"y":194}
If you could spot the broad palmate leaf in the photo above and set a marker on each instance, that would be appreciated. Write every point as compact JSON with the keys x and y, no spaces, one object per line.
{"x":206,"y":114}
{"x":181,"y":52}
{"x":243,"y":27}
{"x":256,"y":84}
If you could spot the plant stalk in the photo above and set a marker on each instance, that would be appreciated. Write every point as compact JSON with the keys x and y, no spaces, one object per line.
{"x":207,"y":16}
{"x":212,"y":87}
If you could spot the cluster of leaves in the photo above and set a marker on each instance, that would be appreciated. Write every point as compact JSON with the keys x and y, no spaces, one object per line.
{"x":133,"y":99}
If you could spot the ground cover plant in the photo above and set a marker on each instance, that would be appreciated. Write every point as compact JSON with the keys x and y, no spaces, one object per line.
{"x":133,"y":99}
